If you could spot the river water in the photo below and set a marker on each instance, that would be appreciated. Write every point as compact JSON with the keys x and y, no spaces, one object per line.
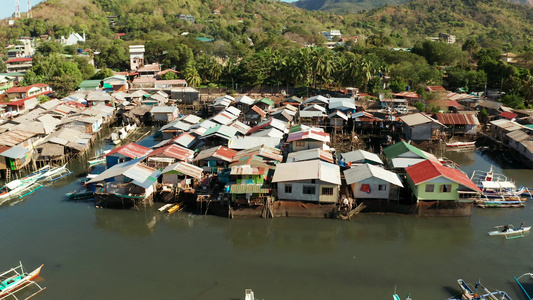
{"x":91,"y":253}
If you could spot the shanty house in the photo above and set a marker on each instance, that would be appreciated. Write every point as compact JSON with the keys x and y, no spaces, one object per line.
{"x":126,"y":152}
{"x":16,"y":157}
{"x":181,"y":174}
{"x":420,"y":127}
{"x":164,"y":113}
{"x":402,"y":155}
{"x":308,"y":139}
{"x":359,"y":157}
{"x":162,"y":157}
{"x":215,"y":159}
{"x":457,"y":123}
{"x":372,"y":182}
{"x":314,"y":181}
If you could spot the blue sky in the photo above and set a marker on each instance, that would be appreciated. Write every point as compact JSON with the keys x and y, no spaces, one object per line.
{"x":8,"y":7}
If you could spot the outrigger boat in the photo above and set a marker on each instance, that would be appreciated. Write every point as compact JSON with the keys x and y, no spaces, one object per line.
{"x":17,"y":279}
{"x":497,"y":190}
{"x":521,"y":286}
{"x":55,"y":173}
{"x":396,"y":297}
{"x":18,"y":187}
{"x":472,"y":294}
{"x":509,"y":231}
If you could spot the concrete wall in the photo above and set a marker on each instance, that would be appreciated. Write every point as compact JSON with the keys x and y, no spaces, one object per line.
{"x":305,"y":145}
{"x":421,"y":194}
{"x":298,"y":187}
{"x":375,"y":193}
{"x":418,"y":133}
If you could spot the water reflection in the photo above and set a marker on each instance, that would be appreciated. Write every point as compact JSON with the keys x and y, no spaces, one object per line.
{"x":126,"y":222}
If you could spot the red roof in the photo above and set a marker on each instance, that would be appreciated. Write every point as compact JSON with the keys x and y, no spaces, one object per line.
{"x":173,"y":151}
{"x":508,"y":115}
{"x":309,"y":135}
{"x":19,"y":59}
{"x":19,"y":102}
{"x":457,"y":119}
{"x":24,"y":89}
{"x":427,"y":170}
{"x":130,"y":150}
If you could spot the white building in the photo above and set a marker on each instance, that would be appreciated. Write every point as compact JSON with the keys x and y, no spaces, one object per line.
{"x":73,"y":39}
{"x":136,"y":56}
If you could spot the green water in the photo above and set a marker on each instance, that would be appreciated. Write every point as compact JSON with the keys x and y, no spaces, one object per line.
{"x":91,"y":253}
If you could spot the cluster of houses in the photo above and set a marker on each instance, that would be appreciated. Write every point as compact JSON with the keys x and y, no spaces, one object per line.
{"x":260,"y":157}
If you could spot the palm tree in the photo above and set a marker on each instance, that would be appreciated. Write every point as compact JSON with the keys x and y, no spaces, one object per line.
{"x":192,"y":76}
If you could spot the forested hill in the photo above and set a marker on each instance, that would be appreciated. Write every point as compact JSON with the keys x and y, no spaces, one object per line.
{"x":240,"y":28}
{"x":354,"y":6}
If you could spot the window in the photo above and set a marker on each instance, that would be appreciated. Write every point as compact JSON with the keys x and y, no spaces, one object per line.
{"x":300,"y":144}
{"x":309,"y":189}
{"x":446,"y":188}
{"x":327,"y":191}
{"x":382,"y":187}
{"x":430,"y":188}
{"x":288,"y":188}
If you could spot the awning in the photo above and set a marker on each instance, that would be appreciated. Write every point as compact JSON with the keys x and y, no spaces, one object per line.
{"x":248,"y":189}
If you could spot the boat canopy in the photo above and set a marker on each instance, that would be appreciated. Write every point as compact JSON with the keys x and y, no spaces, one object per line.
{"x":14,"y":184}
{"x":498,"y":185}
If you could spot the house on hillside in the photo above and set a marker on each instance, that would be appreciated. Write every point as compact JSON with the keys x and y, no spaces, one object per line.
{"x":19,"y":65}
{"x":314,"y":181}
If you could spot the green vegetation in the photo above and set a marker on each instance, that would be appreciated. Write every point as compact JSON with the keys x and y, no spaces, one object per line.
{"x":260,"y":43}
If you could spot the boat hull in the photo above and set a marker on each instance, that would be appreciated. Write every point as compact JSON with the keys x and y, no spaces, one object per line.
{"x":509,"y":232}
{"x":21,"y":283}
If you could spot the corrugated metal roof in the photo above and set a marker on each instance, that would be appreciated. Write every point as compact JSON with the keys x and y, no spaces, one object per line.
{"x":507,"y":125}
{"x":307,"y":170}
{"x":222,"y":131}
{"x":247,"y":170}
{"x":311,"y":114}
{"x":185,"y":139}
{"x":223,"y":118}
{"x":418,"y":119}
{"x":164,"y":109}
{"x":248,"y":188}
{"x":341,"y":103}
{"x":173,"y":151}
{"x":191,"y":119}
{"x":184,"y":168}
{"x":338,"y":114}
{"x":361,"y":172}
{"x":508,"y":115}
{"x":15,"y":137}
{"x":402,"y":147}
{"x":262,"y":150}
{"x":216,"y":153}
{"x":258,"y":110}
{"x":311,"y":134}
{"x":241,"y":127}
{"x":245,"y":100}
{"x":428,"y":170}
{"x":272,"y":122}
{"x":15,"y":152}
{"x":130,"y":150}
{"x":247,"y":142}
{"x":361,"y":156}
{"x":316,"y":99}
{"x":457,"y":119}
{"x":141,"y":175}
{"x":518,"y":135}
{"x":271,"y":132}
{"x":233,"y":110}
{"x":310,"y":155}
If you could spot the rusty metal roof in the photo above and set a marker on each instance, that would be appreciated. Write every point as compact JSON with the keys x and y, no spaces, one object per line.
{"x":15,"y":137}
{"x":216,"y":153}
{"x":130,"y":150}
{"x":457,"y":119}
{"x":173,"y":151}
{"x":184,"y":168}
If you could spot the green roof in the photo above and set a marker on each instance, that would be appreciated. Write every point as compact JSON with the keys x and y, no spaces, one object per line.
{"x":90,"y":84}
{"x":294,"y":98}
{"x":12,"y":74}
{"x":265,"y":101}
{"x":400,"y":148}
{"x":530,"y":126}
{"x":295,"y":128}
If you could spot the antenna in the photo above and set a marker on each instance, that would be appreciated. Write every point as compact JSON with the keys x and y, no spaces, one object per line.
{"x":29,"y":14}
{"x":17,"y":9}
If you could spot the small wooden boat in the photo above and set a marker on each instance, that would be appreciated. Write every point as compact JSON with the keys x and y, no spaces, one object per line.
{"x":166,"y":206}
{"x":461,"y":144}
{"x":18,"y":187}
{"x":509,"y":231}
{"x":17,"y":279}
{"x":175,"y":208}
{"x":96,"y":161}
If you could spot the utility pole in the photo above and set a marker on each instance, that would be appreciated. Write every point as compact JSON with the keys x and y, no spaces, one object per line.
{"x":17,"y":9}
{"x":29,"y":14}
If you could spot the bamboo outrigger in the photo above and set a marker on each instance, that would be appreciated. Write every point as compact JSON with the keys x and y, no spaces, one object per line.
{"x":16,"y":279}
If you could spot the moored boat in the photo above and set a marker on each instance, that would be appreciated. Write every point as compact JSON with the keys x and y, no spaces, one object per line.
{"x":18,"y":187}
{"x":16,"y":279}
{"x":497,"y":190}
{"x":461,"y":144}
{"x":517,"y":279}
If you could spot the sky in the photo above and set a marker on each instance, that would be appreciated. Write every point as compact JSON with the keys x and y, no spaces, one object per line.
{"x":8,"y":7}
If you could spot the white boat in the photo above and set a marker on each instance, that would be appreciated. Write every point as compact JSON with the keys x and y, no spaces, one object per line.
{"x":461,"y":144}
{"x":396,"y":297}
{"x":55,"y":173}
{"x":249,"y":294}
{"x":510,"y":231}
{"x":18,"y":188}
{"x":497,"y":187}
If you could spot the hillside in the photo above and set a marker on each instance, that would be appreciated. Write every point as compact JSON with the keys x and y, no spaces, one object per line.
{"x":354,"y":6}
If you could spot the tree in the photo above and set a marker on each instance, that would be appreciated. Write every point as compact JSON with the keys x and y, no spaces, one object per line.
{"x":169,"y":76}
{"x":513,"y":101}
{"x":103,"y":73}
{"x":46,"y":48}
{"x":420,"y":106}
{"x":192,"y":76}
{"x":62,"y":85}
{"x":438,"y":53}
{"x":43,"y":98}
